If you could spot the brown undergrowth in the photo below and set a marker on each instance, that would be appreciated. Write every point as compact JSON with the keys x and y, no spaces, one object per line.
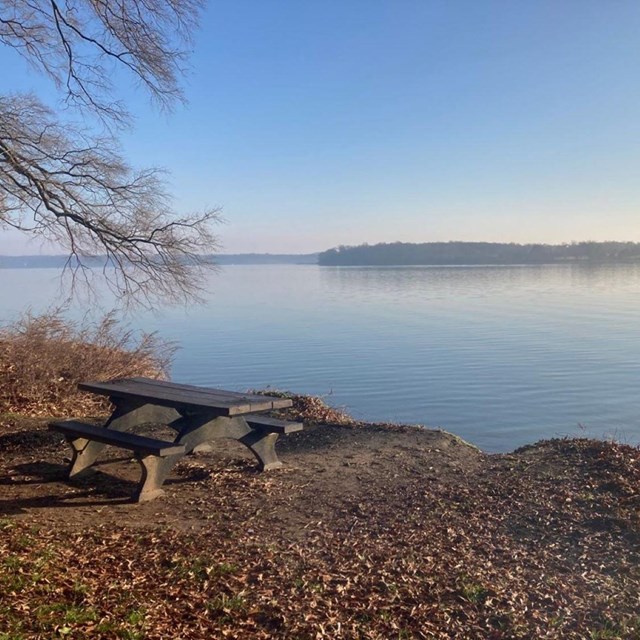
{"x":43,"y":357}
{"x":368,"y":532}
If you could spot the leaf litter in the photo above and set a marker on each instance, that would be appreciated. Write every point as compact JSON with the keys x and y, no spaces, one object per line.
{"x":369,"y":532}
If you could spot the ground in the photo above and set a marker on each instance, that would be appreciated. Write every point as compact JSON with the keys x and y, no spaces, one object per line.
{"x":369,"y":531}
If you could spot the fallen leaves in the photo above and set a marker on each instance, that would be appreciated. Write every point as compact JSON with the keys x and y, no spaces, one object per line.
{"x":541,"y":544}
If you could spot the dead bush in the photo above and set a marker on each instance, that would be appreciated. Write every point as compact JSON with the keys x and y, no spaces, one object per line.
{"x":43,"y":357}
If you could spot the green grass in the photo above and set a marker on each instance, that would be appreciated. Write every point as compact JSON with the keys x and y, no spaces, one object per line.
{"x":136,"y":617}
{"x":112,"y":630}
{"x":226,"y":603}
{"x":64,"y":613}
{"x":203,"y":569}
{"x":474,"y":593}
{"x":623,"y":630}
{"x":6,"y":524}
{"x":10,"y":579}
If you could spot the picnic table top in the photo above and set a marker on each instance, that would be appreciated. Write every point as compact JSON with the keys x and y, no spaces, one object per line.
{"x":170,"y":394}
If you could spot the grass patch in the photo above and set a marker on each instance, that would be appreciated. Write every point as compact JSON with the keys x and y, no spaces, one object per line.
{"x":202,"y":569}
{"x":227,"y":603}
{"x":473,"y":592}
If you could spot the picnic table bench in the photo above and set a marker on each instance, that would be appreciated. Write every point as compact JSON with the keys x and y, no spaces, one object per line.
{"x":197,"y":415}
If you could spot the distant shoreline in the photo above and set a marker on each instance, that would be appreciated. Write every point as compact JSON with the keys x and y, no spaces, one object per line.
{"x":60,"y":261}
{"x":266,"y":263}
{"x":396,"y":254}
{"x":479,"y":253}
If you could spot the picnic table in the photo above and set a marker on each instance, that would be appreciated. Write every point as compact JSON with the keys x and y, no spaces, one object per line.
{"x":196,"y":414}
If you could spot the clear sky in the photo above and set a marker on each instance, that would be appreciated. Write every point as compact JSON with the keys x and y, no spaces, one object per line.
{"x":323,"y":122}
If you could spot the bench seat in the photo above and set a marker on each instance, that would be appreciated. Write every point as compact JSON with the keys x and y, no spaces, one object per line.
{"x":121,"y":439}
{"x":272,"y":425}
{"x":156,"y":457}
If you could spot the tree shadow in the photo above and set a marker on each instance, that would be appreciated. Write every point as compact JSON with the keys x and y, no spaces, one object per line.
{"x":86,"y":498}
{"x":35,"y":473}
{"x":29,"y":440}
{"x":314,"y":438}
{"x":97,"y":488}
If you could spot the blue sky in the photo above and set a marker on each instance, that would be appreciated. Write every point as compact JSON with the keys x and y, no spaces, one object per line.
{"x":320,"y":123}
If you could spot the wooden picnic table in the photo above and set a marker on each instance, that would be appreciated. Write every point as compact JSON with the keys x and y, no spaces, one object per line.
{"x":196,"y":414}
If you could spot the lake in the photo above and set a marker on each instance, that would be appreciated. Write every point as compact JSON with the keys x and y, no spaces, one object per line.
{"x":501,"y":356}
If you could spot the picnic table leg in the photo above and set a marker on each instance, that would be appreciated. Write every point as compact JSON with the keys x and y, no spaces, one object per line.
{"x":263,"y":447}
{"x":127,"y":414}
{"x":194,"y":430}
{"x":154,"y":472}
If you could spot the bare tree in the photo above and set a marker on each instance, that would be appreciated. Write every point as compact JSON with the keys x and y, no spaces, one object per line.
{"x":70,"y":185}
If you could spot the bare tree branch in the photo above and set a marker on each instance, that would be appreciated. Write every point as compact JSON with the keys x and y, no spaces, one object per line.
{"x":78,"y":192}
{"x":74,"y":188}
{"x":79,"y":43}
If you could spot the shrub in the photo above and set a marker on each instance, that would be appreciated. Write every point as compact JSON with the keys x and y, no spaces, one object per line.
{"x":43,"y":357}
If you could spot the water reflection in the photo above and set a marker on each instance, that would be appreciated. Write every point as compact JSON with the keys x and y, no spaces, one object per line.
{"x":500,"y":355}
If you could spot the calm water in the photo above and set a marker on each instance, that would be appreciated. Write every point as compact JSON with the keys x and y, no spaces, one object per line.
{"x":502,"y":356}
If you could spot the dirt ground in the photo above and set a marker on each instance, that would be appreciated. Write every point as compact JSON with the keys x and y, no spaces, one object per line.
{"x":368,"y":531}
{"x":330,"y":472}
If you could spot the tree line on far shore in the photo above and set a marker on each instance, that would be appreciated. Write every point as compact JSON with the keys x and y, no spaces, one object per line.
{"x":473,"y":253}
